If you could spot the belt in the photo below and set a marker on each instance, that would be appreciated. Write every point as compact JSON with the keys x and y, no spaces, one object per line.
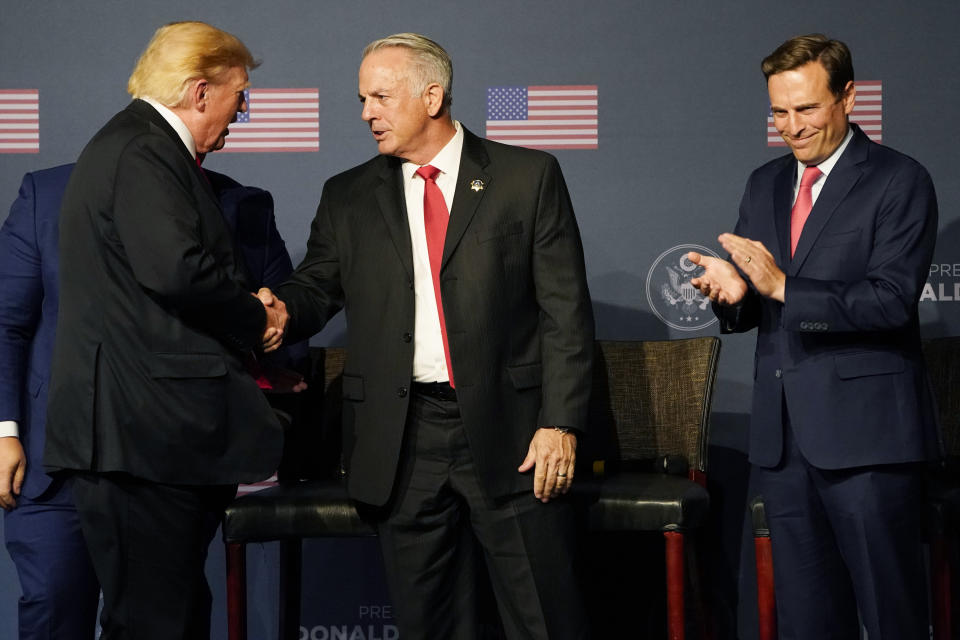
{"x":438,"y":390}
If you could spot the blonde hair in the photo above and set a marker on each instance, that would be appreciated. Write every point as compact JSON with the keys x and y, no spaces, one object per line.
{"x":181,"y":52}
{"x":431,"y":62}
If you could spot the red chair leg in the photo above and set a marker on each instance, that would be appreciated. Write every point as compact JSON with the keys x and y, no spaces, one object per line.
{"x":236,"y":591}
{"x":940,"y":587}
{"x":766,"y":601}
{"x":675,"y":575}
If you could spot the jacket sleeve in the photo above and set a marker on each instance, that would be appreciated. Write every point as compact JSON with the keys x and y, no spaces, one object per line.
{"x":314,"y":293}
{"x":566,"y":314}
{"x":20,"y":303}
{"x":158,"y":228}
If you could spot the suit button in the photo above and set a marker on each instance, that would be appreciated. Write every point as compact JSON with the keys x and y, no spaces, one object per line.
{"x":410,"y":284}
{"x":407,"y":337}
{"x":401,"y":392}
{"x":778,"y":373}
{"x":804,"y":325}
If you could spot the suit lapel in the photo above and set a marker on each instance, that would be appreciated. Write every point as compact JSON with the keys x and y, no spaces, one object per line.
{"x":390,"y":197}
{"x":467,"y":197}
{"x":782,"y":204}
{"x":845,"y":174}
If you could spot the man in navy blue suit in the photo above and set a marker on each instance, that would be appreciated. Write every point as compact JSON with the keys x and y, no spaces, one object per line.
{"x":60,"y":590}
{"x":829,"y":257}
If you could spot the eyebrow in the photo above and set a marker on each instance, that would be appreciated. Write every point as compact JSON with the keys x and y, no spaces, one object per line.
{"x":806,"y":105}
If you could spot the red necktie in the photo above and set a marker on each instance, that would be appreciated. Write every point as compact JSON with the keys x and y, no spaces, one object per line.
{"x":435,"y":219}
{"x":803,"y":205}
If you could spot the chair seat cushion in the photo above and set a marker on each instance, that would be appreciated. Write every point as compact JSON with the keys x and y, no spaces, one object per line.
{"x":311,"y":509}
{"x":642,"y":502}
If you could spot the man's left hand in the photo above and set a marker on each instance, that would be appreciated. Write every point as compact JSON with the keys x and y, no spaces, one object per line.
{"x":756,"y":263}
{"x":553,"y":452}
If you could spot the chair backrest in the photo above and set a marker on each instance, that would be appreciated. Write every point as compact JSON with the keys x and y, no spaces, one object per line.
{"x":314,"y":446}
{"x":651,"y":401}
{"x":943,"y":368}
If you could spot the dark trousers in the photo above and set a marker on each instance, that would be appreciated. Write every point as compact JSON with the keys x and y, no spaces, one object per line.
{"x":60,"y":590}
{"x":842,"y":541}
{"x":437,"y":516}
{"x":148,"y":543}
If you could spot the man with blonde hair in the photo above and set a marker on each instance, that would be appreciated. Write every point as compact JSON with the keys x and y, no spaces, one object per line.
{"x":151,"y":411}
{"x":469,"y":353}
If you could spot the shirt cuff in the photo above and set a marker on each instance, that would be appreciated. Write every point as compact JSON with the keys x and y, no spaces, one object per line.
{"x":9,"y":428}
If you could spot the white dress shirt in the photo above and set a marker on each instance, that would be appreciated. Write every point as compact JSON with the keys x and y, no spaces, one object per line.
{"x":429,"y":361}
{"x":176,"y":123}
{"x":825,"y":168}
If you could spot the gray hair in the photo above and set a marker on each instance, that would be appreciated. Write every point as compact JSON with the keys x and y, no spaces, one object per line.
{"x":431,"y":62}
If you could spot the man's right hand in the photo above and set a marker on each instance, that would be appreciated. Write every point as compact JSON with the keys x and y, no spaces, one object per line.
{"x":13,"y":467}
{"x":719,"y":281}
{"x":277,"y":319}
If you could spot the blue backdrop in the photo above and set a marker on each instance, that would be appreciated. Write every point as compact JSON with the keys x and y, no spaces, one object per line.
{"x":682,"y":110}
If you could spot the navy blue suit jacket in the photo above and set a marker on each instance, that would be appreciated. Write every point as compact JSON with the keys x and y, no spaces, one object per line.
{"x":844,"y":348}
{"x":28,"y":278}
{"x":28,"y":313}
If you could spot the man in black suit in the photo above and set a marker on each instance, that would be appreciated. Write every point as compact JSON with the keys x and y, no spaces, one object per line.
{"x":60,"y":592}
{"x":446,"y":414}
{"x":828,"y":260}
{"x":151,"y":409}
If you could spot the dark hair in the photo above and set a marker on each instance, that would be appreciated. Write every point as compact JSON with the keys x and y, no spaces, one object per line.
{"x":796,"y":52}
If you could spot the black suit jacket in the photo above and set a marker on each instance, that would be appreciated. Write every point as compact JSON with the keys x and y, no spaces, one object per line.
{"x":844,"y":349}
{"x":155,"y":313}
{"x":515,"y":300}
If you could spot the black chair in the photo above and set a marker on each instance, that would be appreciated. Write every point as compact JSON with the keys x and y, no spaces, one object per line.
{"x":650,"y":409}
{"x":649,"y":426}
{"x":294,"y":509}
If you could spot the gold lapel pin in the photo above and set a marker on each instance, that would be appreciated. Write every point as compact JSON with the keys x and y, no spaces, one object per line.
{"x":476,"y":185}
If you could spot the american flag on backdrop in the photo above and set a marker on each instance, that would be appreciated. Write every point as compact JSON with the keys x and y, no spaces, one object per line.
{"x":867,"y":112}
{"x":245,"y":489}
{"x":19,"y":121}
{"x":544,"y":117}
{"x":277,"y":120}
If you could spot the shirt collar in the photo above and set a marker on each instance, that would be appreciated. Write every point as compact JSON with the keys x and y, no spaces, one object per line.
{"x":827,"y":165}
{"x":447,"y":160}
{"x":175,"y":122}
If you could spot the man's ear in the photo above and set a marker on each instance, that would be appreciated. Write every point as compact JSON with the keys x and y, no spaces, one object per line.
{"x":433,"y":99}
{"x":197,"y":94}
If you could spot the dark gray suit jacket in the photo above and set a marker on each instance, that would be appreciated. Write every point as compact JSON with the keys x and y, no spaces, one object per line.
{"x":515,"y":300}
{"x":155,"y":313}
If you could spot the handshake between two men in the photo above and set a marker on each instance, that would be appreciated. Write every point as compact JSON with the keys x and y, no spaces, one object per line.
{"x":277,"y":318}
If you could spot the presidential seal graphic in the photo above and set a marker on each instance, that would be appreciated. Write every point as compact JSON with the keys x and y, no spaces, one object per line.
{"x":671,"y":296}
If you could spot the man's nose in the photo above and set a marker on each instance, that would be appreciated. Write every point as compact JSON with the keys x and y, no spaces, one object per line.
{"x":795,"y":123}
